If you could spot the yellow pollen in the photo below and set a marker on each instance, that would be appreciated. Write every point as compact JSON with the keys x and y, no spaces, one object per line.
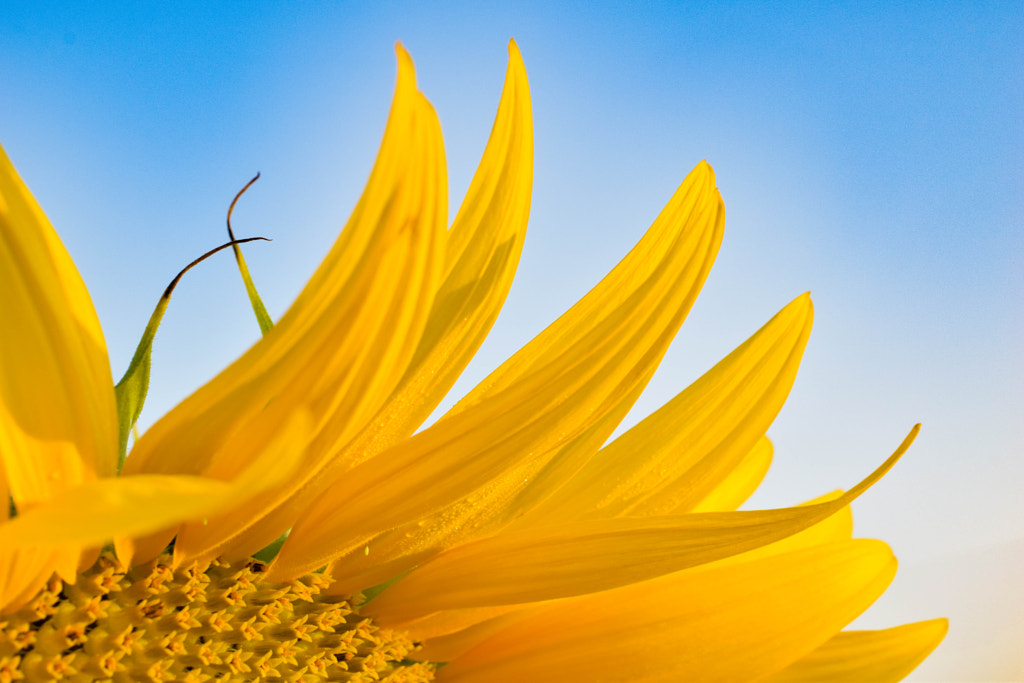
{"x":215,"y":622}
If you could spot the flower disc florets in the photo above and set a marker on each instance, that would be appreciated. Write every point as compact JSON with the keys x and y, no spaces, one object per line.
{"x":215,"y":622}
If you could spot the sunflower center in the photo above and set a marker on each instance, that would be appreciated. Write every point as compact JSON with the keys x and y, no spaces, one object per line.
{"x":218,"y":622}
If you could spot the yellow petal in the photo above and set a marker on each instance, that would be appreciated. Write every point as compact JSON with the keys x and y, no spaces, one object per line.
{"x":58,"y":422}
{"x":741,"y":482}
{"x":448,"y":622}
{"x":587,"y":556}
{"x":23,"y":571}
{"x":836,"y":527}
{"x":482,"y":252}
{"x":484,"y":245}
{"x":342,"y":347}
{"x":856,"y":656}
{"x":552,"y":403}
{"x":729,"y":623}
{"x":675,"y":457}
{"x":98,"y":510}
{"x":448,"y":646}
{"x":448,"y":633}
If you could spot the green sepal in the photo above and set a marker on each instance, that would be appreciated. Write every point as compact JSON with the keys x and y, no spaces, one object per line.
{"x":262,"y":317}
{"x":130,"y":392}
{"x":372,"y":592}
{"x":269,"y":552}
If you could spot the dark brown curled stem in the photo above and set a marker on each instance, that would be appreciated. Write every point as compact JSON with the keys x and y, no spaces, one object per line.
{"x":231,"y":233}
{"x":233,"y":242}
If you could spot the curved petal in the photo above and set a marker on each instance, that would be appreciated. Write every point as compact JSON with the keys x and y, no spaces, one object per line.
{"x":741,"y":481}
{"x":451,"y":645}
{"x":836,"y":527}
{"x":342,"y":347}
{"x":484,"y":245}
{"x":883,"y":656}
{"x":672,"y":459}
{"x":450,"y":632}
{"x":593,"y":555}
{"x":728,"y":623}
{"x":96,"y":511}
{"x":482,"y":252}
{"x":58,"y":422}
{"x":448,"y":622}
{"x":680,"y":453}
{"x":553,"y":402}
{"x":23,"y":571}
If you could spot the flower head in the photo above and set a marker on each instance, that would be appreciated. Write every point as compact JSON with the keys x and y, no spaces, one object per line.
{"x":510,"y":539}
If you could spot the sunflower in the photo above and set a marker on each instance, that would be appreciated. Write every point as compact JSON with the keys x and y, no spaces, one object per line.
{"x":287,"y":521}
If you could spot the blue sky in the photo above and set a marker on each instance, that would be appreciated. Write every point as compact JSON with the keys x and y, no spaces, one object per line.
{"x":872,"y":154}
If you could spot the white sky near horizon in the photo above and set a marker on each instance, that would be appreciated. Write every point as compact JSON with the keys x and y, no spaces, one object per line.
{"x":874,"y":156}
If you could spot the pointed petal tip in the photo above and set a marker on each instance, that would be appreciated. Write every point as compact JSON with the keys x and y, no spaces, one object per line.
{"x":805,"y":305}
{"x":801,"y":301}
{"x":799,"y":310}
{"x":882,"y":469}
{"x":934,"y":630}
{"x":810,"y":303}
{"x":515,"y":60}
{"x":706,"y":172}
{"x":124,"y":550}
{"x":406,"y":68}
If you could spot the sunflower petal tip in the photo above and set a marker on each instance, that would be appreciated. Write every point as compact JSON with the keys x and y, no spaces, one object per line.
{"x":805,"y":303}
{"x":124,"y":550}
{"x":516,"y":67}
{"x":406,"y":68}
{"x":801,"y":301}
{"x":707,"y":173}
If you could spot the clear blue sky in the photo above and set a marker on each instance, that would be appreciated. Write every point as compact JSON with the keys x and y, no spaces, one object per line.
{"x":872,"y":154}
